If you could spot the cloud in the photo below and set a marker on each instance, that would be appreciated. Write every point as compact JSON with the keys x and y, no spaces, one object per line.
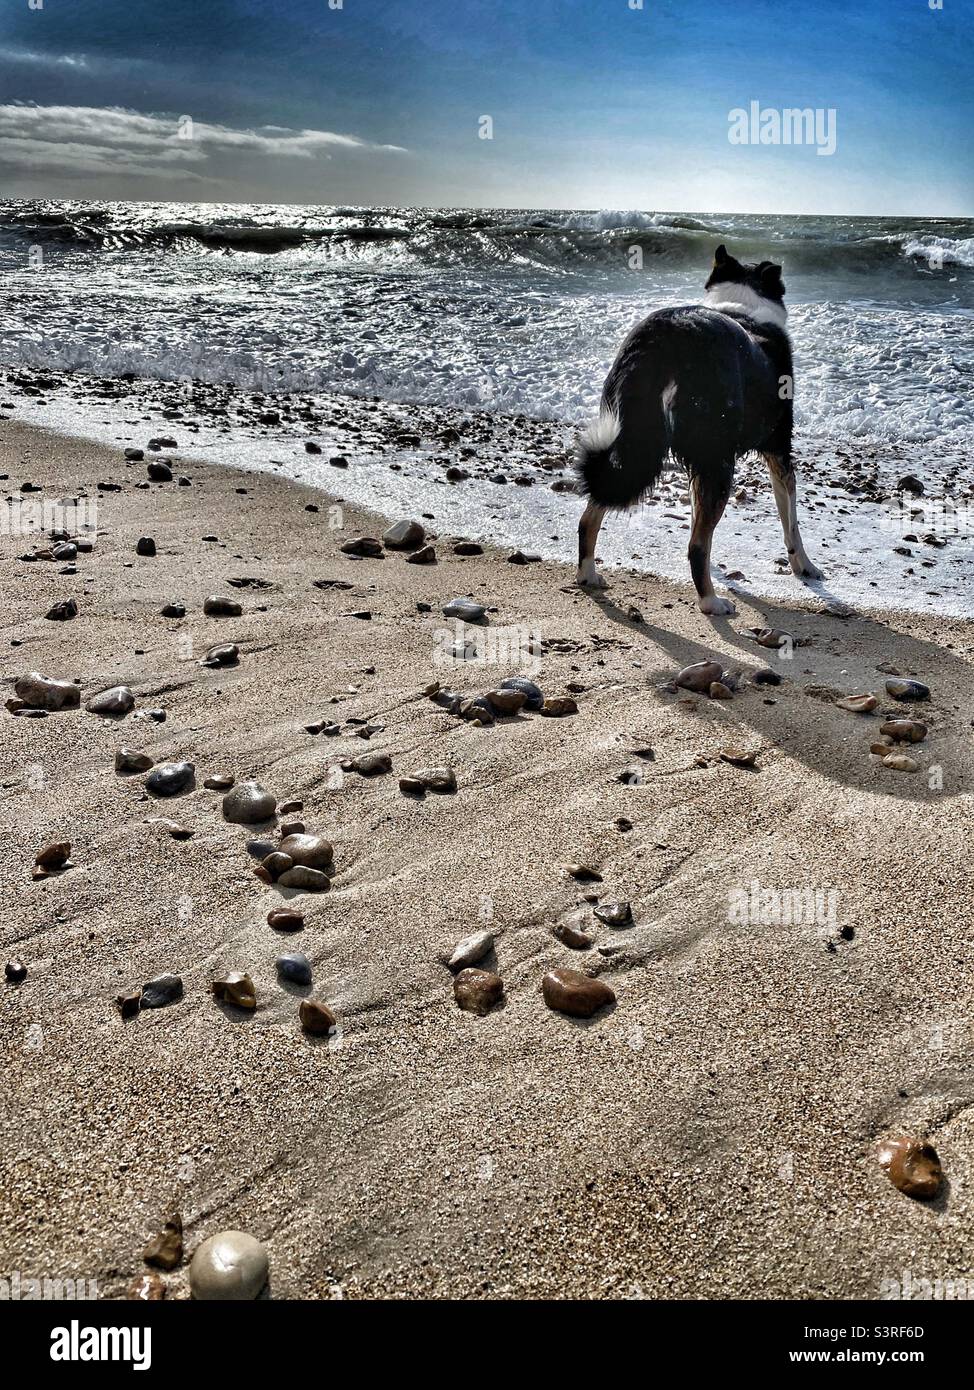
{"x":112,"y":140}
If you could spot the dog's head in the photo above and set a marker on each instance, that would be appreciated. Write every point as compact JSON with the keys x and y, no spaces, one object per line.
{"x":764,"y":279}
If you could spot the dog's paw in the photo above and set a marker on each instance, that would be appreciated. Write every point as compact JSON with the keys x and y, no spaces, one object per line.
{"x":591,"y":579}
{"x":716,"y":607}
{"x":808,"y":571}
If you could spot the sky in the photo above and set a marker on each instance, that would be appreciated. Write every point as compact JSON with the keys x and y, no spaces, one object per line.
{"x":591,"y":103}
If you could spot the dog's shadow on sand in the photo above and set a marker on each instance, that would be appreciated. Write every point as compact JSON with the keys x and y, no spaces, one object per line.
{"x":841,"y":653}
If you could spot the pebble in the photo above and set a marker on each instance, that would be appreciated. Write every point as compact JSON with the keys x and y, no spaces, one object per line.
{"x":41,"y":692}
{"x":169,"y":779}
{"x":858,"y":704}
{"x":146,"y":1288}
{"x":614,"y":914}
{"x":305,"y":880}
{"x":130,"y":760}
{"x":53,"y":857}
{"x":291,"y":827}
{"x":556,"y":706}
{"x":277,"y":863}
{"x":15,"y":971}
{"x":720,"y":691}
{"x":466,"y":610}
{"x":165,"y":1250}
{"x":113,"y":703}
{"x":900,"y":762}
{"x":173,"y":610}
{"x":248,"y":803}
{"x":371,"y":764}
{"x":907,"y":690}
{"x":228,"y":1266}
{"x":294,"y":968}
{"x":533,"y":695}
{"x":128,"y":1004}
{"x":315,"y":1017}
{"x":477,"y":991}
{"x":217,"y":606}
{"x":468,"y":548}
{"x":772,"y":637}
{"x":738,"y":757}
{"x":366,"y":547}
{"x":158,"y":471}
{"x":506,"y":701}
{"x":912,"y":1165}
{"x":765,"y":676}
{"x":172,"y":827}
{"x":162,"y":990}
{"x":584,"y":873}
{"x":571,"y":936}
{"x":61,"y":612}
{"x":236,"y":988}
{"x":404,"y":535}
{"x":145,"y":545}
{"x":426,"y":555}
{"x":700,"y":676}
{"x":218,"y":782}
{"x":223,"y":654}
{"x":447,"y":699}
{"x":285,"y":919}
{"x":524,"y":557}
{"x":904,"y":730}
{"x":470,"y":950}
{"x":571,"y":992}
{"x":309,"y":850}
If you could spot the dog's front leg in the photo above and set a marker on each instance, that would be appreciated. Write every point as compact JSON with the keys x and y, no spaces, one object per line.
{"x":588,"y":534}
{"x":783,"y":482}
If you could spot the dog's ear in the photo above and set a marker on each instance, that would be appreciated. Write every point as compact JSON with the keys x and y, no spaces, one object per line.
{"x":771,"y":282}
{"x":720,"y":256}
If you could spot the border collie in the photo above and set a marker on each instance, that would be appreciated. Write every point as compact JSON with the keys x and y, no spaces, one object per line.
{"x":706,"y":384}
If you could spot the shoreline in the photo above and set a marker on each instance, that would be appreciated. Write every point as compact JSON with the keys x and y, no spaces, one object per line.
{"x":710,"y":1136}
{"x":509,"y":480}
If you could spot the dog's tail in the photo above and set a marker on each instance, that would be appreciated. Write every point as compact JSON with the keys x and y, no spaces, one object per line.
{"x":620,"y":456}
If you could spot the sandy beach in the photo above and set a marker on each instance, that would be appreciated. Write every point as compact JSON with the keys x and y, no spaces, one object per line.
{"x":710,"y":1135}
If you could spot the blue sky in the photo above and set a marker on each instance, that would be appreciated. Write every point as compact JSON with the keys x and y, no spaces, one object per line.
{"x":593,"y":103}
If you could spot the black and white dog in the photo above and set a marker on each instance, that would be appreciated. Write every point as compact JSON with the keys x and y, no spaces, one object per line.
{"x":706,"y":384}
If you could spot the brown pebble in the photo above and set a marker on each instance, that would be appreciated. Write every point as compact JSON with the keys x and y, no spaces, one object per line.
{"x":584,"y":873}
{"x":285,"y":919}
{"x":166,"y":1249}
{"x":128,"y":1004}
{"x":477,"y":991}
{"x":739,"y":757}
{"x":858,"y":704}
{"x":571,"y":992}
{"x":236,"y":988}
{"x":559,"y":705}
{"x":699,"y":676}
{"x":147,"y":1288}
{"x":571,"y":937}
{"x":900,"y":762}
{"x":54,"y":856}
{"x":912,"y":1165}
{"x":719,"y":691}
{"x":904,"y":730}
{"x":316,"y":1018}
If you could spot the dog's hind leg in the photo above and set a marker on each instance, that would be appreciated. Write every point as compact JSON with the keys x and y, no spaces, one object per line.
{"x":588,"y":534}
{"x":783,"y":482}
{"x":710,"y":491}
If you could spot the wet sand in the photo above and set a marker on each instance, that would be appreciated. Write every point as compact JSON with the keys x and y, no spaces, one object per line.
{"x":712,"y":1135}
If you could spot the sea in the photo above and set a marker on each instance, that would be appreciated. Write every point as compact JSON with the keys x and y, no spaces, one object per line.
{"x":519,"y":313}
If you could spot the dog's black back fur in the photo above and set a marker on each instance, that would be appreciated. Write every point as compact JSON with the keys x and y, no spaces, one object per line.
{"x":702,"y":385}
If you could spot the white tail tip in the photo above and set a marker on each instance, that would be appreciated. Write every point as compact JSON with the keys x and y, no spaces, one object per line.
{"x":601,"y":433}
